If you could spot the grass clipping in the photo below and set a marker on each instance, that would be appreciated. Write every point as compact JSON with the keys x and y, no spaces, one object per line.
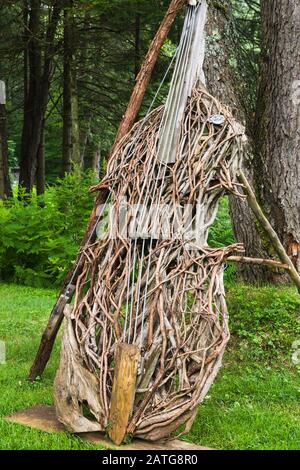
{"x":164,"y":294}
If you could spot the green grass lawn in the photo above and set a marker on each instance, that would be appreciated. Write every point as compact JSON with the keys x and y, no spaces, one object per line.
{"x":254,"y":403}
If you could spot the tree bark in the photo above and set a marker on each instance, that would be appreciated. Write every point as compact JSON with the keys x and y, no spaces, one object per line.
{"x":91,"y":153}
{"x":40,"y":170}
{"x":220,"y":82}
{"x":37,"y":89}
{"x":26,"y":37}
{"x":71,"y":147}
{"x":277,"y":169}
{"x":5,"y":187}
{"x":32,"y":107}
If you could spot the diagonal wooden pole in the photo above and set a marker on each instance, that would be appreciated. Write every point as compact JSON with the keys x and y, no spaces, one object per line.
{"x":268,"y":229}
{"x":142,"y":80}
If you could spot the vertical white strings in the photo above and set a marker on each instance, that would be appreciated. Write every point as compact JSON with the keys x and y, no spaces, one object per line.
{"x":144,"y":184}
{"x":178,"y":76}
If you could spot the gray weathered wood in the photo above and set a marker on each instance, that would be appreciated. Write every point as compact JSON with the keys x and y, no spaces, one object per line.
{"x":188,"y":69}
{"x":2,"y":92}
{"x":123,"y":391}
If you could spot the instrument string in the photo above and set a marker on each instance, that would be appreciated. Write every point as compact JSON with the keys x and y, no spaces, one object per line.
{"x":178,"y":77}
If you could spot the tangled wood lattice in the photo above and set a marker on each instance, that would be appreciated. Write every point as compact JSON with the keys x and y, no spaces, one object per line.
{"x":162,"y":289}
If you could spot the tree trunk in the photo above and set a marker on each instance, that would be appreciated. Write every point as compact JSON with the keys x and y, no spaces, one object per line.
{"x":71,"y":148}
{"x":278,"y":114}
{"x":40,"y":171}
{"x":37,"y":89}
{"x":220,"y":82}
{"x":26,"y":37}
{"x":5,"y":187}
{"x":96,"y":164}
{"x":32,"y":107}
{"x":92,"y":156}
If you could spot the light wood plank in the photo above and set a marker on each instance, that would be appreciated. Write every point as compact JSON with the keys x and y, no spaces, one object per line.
{"x":123,"y":392}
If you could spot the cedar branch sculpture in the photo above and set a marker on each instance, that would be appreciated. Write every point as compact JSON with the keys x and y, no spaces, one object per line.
{"x":145,"y":336}
{"x":162,"y":295}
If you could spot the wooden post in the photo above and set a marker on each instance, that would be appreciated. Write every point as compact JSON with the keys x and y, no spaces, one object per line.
{"x":268,"y":229}
{"x":56,"y":316}
{"x":123,"y":392}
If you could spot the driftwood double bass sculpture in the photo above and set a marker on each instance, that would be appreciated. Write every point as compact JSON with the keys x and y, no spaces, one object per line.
{"x":144,"y":339}
{"x":154,"y":304}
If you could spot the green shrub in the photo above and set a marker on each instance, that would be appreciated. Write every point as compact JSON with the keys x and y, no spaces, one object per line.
{"x":221,"y":234}
{"x":39,"y":241}
{"x":264,"y":320}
